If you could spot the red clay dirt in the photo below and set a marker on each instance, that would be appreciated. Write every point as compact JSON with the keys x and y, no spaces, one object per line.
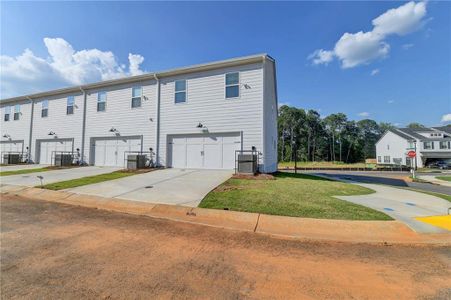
{"x":51,"y":250}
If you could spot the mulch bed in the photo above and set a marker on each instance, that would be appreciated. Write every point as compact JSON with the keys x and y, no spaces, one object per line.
{"x":254,"y":177}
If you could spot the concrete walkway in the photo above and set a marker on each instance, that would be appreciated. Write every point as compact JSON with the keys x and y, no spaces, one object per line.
{"x":21,"y":167}
{"x":167,"y":186}
{"x":54,"y":176}
{"x":403,"y":205}
{"x":432,"y":179}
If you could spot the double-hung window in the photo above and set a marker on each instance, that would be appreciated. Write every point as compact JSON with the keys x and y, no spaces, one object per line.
{"x":232,"y":85}
{"x":444,"y":145}
{"x":101,"y":101}
{"x":428,"y":145}
{"x":7,"y":113}
{"x":136,"y":96}
{"x":44,"y":108}
{"x":180,"y":91}
{"x":387,"y":159}
{"x":16,"y":112}
{"x":379,"y":159}
{"x":70,"y":105}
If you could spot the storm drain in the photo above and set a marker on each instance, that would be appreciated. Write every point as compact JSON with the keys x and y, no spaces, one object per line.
{"x":148,"y":187}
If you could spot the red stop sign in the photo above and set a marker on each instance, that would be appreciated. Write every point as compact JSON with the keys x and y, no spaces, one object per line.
{"x":411,"y":154}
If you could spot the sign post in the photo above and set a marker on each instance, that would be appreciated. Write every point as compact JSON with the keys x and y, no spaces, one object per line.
{"x":412,"y":154}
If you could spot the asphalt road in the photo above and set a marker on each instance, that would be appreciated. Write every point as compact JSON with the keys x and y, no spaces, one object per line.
{"x":55,"y":251}
{"x":389,"y":178}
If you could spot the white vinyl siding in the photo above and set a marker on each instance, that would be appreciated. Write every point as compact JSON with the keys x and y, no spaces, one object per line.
{"x":18,"y":130}
{"x":118,"y":114}
{"x":207,"y":106}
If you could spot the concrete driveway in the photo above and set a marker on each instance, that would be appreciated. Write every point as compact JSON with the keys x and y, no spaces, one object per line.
{"x":55,"y":175}
{"x":21,"y":167}
{"x":168,"y":186}
{"x":403,"y":205}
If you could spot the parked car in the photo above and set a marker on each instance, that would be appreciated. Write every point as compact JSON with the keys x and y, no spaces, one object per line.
{"x":439,"y":164}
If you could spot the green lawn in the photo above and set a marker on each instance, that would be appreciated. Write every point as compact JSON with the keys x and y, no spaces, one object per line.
{"x":25,"y":171}
{"x":446,"y":178}
{"x":87,"y":180}
{"x":296,"y":195}
{"x":324,"y":164}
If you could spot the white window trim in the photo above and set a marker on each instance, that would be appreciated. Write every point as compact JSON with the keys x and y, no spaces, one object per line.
{"x":16,"y":112}
{"x":227,"y":85}
{"x":185,"y":90}
{"x":105,"y":101}
{"x":142,"y":97}
{"x":47,"y":108}
{"x":73,"y":106}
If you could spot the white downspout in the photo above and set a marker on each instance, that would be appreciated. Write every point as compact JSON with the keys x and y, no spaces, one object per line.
{"x":83,"y":128}
{"x":157,"y":127}
{"x":30,"y":138}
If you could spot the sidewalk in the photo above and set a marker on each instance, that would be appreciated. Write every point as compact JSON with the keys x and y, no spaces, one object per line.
{"x":288,"y":227}
{"x":433,"y":180}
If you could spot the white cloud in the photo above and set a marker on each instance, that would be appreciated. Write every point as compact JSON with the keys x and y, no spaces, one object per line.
{"x":407,"y":46}
{"x":28,"y":73}
{"x":321,"y":56}
{"x":354,"y":49}
{"x":446,"y":118}
{"x":375,"y":72}
{"x":364,"y":114}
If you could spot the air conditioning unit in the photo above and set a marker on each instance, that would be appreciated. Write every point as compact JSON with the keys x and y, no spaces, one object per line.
{"x":136,"y":161}
{"x":247,"y":163}
{"x":11,"y":159}
{"x":63,"y":160}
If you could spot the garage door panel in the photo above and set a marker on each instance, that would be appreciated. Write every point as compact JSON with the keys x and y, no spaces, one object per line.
{"x":207,"y":151}
{"x":194,"y":156}
{"x":213,"y":156}
{"x":47,"y":150}
{"x":111,"y":152}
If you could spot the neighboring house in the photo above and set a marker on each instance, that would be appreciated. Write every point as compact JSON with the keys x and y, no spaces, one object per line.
{"x":192,"y":117}
{"x":430,"y":144}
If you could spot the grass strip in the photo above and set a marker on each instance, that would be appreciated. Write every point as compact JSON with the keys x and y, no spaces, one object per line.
{"x":296,"y":195}
{"x":87,"y":180}
{"x":445,"y":178}
{"x":24,"y":171}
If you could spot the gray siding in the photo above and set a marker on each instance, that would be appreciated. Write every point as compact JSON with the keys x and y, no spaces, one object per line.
{"x":270,"y":118}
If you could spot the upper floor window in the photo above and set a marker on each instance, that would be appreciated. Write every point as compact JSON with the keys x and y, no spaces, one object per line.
{"x":428,"y":145}
{"x":180,"y":91}
{"x":444,"y":145}
{"x":7,"y":113}
{"x":411,"y":145}
{"x":232,"y":85}
{"x":136,"y":96}
{"x":16,"y":112}
{"x":101,"y":101}
{"x":44,"y":108}
{"x":70,"y":105}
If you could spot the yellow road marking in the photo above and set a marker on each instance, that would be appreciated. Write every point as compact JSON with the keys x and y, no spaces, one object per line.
{"x":439,"y":221}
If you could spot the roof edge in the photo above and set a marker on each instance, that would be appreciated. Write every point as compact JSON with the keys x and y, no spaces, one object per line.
{"x":148,"y":76}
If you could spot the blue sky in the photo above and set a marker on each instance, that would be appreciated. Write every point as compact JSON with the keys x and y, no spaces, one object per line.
{"x":396,"y":76}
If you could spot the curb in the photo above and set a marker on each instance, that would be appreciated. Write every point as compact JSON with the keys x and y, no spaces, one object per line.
{"x":386,"y":232}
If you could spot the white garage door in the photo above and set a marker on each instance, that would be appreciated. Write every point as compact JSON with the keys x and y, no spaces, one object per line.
{"x":112,"y":152}
{"x":47,"y":150}
{"x":207,"y":151}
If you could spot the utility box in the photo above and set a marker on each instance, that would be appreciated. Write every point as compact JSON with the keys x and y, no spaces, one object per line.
{"x":136,"y":161}
{"x":63,"y":160}
{"x":247,"y":163}
{"x":11,"y":158}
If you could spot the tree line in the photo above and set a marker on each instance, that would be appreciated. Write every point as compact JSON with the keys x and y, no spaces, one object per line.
{"x":306,"y":136}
